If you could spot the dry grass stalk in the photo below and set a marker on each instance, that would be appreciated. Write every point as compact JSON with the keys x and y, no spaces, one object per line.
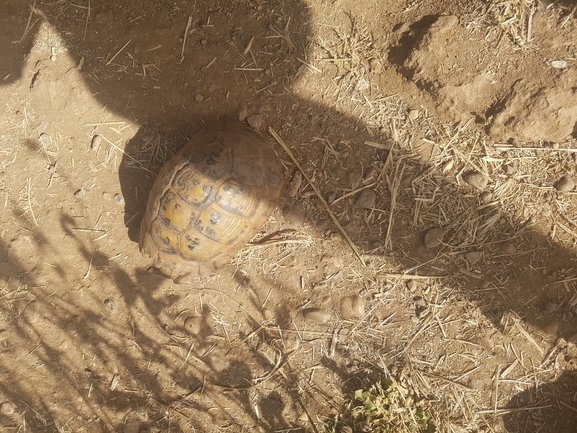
{"x":319,"y":195}
{"x":118,"y":52}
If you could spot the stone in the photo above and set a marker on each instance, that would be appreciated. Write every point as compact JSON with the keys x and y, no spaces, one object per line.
{"x":508,"y":169}
{"x":7,"y":408}
{"x":194,"y":325}
{"x":110,"y":304}
{"x":295,"y":184}
{"x":486,"y":197}
{"x":412,"y":285}
{"x":352,"y":307}
{"x":407,"y":180}
{"x":293,"y":216}
{"x":198,"y":97}
{"x":508,"y":248}
{"x":131,"y":427}
{"x":375,"y":66}
{"x":476,"y":180}
{"x":316,"y":315}
{"x":474,"y":256}
{"x":96,"y":142}
{"x":565,"y":184}
{"x":366,"y":199}
{"x":434,"y":237}
{"x":485,"y":283}
{"x":551,"y":328}
{"x":375,"y":244}
{"x":448,"y":166}
{"x":123,"y":410}
{"x":413,"y":115}
{"x":256,"y":121}
{"x":118,"y":199}
{"x":354,"y":178}
{"x":4,"y":334}
{"x":549,"y":306}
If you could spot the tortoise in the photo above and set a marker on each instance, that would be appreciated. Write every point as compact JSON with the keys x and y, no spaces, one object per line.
{"x":210,"y":199}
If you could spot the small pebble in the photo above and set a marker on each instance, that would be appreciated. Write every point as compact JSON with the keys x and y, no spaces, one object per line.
{"x":376,"y":244}
{"x":292,"y":342}
{"x":317,"y":315}
{"x":549,"y":306}
{"x":131,"y":427}
{"x":508,"y":169}
{"x":193,"y":325}
{"x":110,"y":367}
{"x":372,"y":172}
{"x":96,"y":142}
{"x":354,"y":178}
{"x":407,"y":180}
{"x":413,"y":115}
{"x":7,"y":408}
{"x":366,"y":199}
{"x":412,"y":285}
{"x":106,"y":196}
{"x":551,"y":328}
{"x":293,"y":216}
{"x":565,"y":184}
{"x":256,"y":121}
{"x":486,"y":197}
{"x":474,"y":256}
{"x":198,"y":97}
{"x":477,"y":180}
{"x":335,"y":237}
{"x":477,"y":384}
{"x":331,"y":196}
{"x":110,"y":305}
{"x":352,"y":307}
{"x":375,"y":66}
{"x":485,"y":283}
{"x":295,"y":184}
{"x":243,"y":113}
{"x":448,"y":166}
{"x":508,"y":248}
{"x":434,"y":237}
{"x":203,"y":42}
{"x":4,"y":335}
{"x":334,"y":260}
{"x":118,"y":198}
{"x":123,"y":410}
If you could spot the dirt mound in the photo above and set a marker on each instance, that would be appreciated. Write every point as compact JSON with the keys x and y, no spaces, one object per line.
{"x":465,"y":81}
{"x":533,"y":113}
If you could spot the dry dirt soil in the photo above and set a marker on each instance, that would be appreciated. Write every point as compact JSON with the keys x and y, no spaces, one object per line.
{"x":440,"y":135}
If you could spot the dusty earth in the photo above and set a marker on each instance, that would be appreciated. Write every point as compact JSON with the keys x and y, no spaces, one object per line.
{"x":440,"y":135}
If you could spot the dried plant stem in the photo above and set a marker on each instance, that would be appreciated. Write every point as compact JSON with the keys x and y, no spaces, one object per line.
{"x":319,"y":195}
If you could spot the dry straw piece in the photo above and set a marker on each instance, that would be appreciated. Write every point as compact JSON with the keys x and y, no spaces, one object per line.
{"x":319,"y":195}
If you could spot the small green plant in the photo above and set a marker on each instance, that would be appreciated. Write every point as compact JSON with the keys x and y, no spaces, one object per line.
{"x":387,"y":407}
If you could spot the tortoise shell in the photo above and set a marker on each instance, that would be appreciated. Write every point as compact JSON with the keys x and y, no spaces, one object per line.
{"x":210,"y":199}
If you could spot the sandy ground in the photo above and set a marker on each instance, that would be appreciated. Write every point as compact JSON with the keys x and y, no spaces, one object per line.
{"x":440,"y":137}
